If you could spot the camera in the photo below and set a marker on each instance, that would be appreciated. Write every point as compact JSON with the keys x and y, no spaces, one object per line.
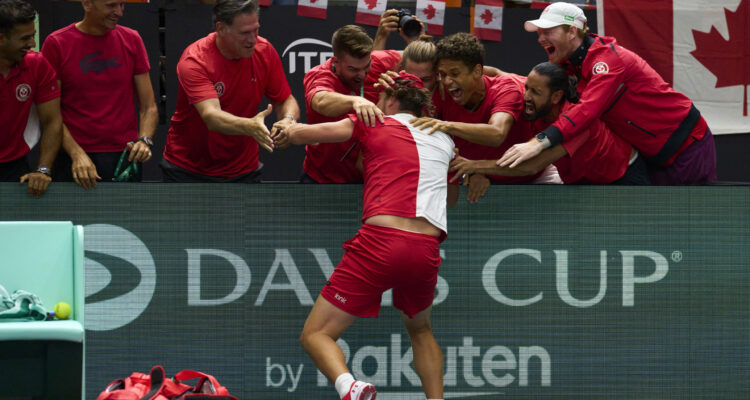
{"x":408,"y":24}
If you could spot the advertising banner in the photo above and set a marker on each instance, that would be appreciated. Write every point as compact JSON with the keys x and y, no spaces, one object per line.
{"x":568,"y":292}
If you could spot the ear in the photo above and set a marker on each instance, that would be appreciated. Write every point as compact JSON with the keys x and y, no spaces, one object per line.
{"x":477,"y":70}
{"x":556,"y":97}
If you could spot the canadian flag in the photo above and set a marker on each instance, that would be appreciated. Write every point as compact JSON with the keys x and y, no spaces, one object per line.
{"x":488,"y":19}
{"x":369,"y":12}
{"x":432,"y":14}
{"x":702,"y":50}
{"x":312,"y":8}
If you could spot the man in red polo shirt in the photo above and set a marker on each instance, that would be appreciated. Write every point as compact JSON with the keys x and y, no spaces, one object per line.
{"x":595,"y":156}
{"x":620,"y":88}
{"x":216,"y":128}
{"x":481,"y":112}
{"x":343,"y":84}
{"x":28,"y":93}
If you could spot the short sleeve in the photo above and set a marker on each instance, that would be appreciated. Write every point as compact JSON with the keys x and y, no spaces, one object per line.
{"x":194,"y":81}
{"x":278,"y":87}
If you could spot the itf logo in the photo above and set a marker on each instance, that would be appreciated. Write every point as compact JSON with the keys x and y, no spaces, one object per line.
{"x":120,"y":277}
{"x":308,"y":51}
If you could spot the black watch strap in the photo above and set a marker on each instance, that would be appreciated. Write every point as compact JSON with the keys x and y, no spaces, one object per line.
{"x":147,"y":140}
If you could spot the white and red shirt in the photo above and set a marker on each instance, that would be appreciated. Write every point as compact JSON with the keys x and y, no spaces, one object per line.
{"x":404,"y":170}
{"x":336,"y":162}
{"x":97,"y":84}
{"x":204,"y":73}
{"x":503,"y":93}
{"x":32,"y":81}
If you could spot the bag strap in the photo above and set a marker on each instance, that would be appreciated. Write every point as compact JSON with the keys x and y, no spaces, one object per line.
{"x":213,"y":387}
{"x":157,"y":381}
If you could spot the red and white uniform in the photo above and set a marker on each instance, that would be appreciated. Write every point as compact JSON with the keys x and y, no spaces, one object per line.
{"x":329,"y":162}
{"x":404,"y":170}
{"x":97,"y":84}
{"x":595,"y":155}
{"x":502,"y":94}
{"x":620,"y":88}
{"x":29,"y":83}
{"x":204,"y":73}
{"x":404,"y":175}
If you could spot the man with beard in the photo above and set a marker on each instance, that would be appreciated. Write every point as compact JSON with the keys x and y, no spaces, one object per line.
{"x":480,"y":112}
{"x":343,"y":84}
{"x":28,"y":83}
{"x":620,"y":88}
{"x":594,"y":156}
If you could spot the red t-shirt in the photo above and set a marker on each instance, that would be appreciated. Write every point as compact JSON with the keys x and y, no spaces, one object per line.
{"x":502,"y":94}
{"x":97,"y":84}
{"x":330,"y":162}
{"x":31,"y":82}
{"x":204,"y":73}
{"x":595,"y":154}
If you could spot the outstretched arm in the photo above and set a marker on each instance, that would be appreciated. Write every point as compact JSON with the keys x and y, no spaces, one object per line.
{"x":328,"y":132}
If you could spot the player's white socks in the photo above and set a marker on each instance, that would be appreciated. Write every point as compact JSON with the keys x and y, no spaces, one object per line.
{"x":343,"y":384}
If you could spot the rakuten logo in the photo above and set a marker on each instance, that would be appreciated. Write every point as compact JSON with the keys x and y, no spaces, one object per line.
{"x":120,"y":277}
{"x":308,"y":52}
{"x":466,"y":365}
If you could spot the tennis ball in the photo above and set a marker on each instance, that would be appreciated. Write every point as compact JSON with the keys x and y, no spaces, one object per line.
{"x":62,"y":310}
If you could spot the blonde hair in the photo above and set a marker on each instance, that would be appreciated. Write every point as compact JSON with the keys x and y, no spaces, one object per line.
{"x":419,"y":51}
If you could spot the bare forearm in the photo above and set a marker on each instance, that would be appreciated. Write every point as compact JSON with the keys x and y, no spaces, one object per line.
{"x":332,"y":104}
{"x":226,"y":123}
{"x":148,"y":119}
{"x":288,"y":107}
{"x":69,"y":144}
{"x":51,"y":141}
{"x":484,"y":134}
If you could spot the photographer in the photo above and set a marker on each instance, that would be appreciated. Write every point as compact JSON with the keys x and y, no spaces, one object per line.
{"x":397,"y":20}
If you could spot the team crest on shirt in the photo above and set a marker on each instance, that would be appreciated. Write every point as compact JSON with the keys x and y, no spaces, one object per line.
{"x":219,"y":86}
{"x":600,"y":68}
{"x":23,"y":92}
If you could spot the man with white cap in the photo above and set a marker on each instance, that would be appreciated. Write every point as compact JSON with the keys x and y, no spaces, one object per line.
{"x":620,"y":88}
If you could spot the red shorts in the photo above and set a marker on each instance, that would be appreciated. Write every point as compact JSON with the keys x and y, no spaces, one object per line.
{"x":378,"y":258}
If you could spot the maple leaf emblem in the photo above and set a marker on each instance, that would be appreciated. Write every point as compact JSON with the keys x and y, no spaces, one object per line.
{"x":487,"y":16}
{"x":313,"y":1}
{"x":728,"y":59}
{"x":429,"y":12}
{"x":371,"y":4}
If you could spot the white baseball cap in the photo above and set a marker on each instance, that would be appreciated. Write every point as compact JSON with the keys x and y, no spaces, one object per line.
{"x":557,"y":14}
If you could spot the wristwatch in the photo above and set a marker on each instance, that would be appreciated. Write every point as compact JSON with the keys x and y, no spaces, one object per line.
{"x":543,"y":139}
{"x":44,"y":170}
{"x":147,"y":140}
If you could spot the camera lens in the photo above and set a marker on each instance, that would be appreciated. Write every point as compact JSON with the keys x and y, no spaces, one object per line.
{"x":408,"y":24}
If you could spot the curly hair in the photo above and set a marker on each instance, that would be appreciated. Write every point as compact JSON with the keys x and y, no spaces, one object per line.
{"x":461,"y":46}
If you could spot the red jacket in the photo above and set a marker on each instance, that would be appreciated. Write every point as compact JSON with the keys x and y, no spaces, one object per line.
{"x":620,"y":88}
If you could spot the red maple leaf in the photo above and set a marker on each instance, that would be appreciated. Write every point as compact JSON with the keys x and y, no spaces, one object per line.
{"x":371,"y":4}
{"x":728,"y":59}
{"x":313,"y":1}
{"x":487,"y":16}
{"x":429,"y":12}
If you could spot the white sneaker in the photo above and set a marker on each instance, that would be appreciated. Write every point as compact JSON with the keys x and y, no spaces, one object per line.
{"x":361,"y":391}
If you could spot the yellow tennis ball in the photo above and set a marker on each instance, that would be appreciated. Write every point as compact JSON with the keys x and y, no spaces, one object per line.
{"x":62,"y":310}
